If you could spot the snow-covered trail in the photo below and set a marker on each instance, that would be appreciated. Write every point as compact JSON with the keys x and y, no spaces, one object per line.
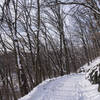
{"x":68,"y":87}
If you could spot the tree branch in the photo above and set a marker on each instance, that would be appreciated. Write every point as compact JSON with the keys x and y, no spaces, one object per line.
{"x":77,"y":3}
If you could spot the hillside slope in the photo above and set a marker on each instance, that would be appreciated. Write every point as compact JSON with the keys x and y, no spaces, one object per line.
{"x":92,"y":64}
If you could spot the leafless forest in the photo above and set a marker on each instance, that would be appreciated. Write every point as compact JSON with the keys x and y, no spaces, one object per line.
{"x":41,"y":39}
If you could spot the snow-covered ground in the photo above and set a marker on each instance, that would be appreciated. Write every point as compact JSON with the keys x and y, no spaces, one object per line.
{"x":68,"y":87}
{"x":94,"y":63}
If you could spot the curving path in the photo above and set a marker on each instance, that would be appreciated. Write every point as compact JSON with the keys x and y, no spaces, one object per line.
{"x":68,"y":87}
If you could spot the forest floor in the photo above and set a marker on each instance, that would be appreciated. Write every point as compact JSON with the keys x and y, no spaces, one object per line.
{"x":67,"y":87}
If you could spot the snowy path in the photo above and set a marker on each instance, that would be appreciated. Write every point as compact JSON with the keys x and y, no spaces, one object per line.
{"x":71,"y":87}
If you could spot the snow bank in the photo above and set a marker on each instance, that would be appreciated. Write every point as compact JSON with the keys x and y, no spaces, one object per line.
{"x":92,"y":64}
{"x":36,"y":92}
